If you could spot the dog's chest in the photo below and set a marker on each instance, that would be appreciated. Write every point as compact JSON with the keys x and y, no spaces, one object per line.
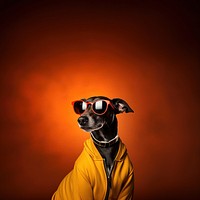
{"x":108,"y":154}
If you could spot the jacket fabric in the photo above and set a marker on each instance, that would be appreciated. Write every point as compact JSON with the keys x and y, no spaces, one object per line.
{"x":88,"y":180}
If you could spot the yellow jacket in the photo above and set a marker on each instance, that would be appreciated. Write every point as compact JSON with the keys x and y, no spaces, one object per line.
{"x":88,"y":179}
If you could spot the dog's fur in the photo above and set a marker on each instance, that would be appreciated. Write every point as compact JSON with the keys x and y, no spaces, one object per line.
{"x":104,"y":133}
{"x":109,"y":123}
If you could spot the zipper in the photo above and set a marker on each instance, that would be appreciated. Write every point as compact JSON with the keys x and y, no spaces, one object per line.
{"x":108,"y":176}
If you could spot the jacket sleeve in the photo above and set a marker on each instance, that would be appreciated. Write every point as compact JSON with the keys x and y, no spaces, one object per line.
{"x":128,"y":188}
{"x":74,"y":186}
{"x":84,"y":186}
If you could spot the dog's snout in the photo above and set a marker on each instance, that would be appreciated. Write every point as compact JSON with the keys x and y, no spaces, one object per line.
{"x":83,"y":120}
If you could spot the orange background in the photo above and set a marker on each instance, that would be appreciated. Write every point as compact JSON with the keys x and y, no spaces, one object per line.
{"x":54,"y":53}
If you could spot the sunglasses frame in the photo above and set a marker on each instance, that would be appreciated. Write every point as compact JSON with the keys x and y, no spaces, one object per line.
{"x":91,"y":103}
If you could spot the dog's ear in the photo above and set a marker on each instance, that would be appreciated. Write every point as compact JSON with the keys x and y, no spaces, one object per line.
{"x":121,"y":106}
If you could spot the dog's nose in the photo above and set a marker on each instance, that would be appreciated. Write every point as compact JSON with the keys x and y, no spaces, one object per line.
{"x":83,"y":120}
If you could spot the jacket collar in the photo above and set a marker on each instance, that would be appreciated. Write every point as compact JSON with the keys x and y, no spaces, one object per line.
{"x":94,"y":153}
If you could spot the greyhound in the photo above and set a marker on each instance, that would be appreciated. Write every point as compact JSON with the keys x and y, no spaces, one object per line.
{"x":104,"y":170}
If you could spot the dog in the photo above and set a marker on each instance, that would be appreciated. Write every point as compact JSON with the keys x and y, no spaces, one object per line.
{"x":103,"y":171}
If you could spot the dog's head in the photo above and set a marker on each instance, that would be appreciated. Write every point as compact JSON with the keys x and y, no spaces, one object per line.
{"x":99,"y":111}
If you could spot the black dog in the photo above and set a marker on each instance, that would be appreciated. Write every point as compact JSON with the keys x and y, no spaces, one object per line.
{"x":103,"y":170}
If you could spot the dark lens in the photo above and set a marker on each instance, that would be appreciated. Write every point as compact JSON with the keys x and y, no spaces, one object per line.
{"x":79,"y":107}
{"x":100,"y":107}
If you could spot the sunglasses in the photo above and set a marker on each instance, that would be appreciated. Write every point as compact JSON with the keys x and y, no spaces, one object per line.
{"x":98,"y":107}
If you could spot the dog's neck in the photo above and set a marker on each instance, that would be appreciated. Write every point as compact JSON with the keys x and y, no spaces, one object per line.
{"x":107,"y":133}
{"x":104,"y":143}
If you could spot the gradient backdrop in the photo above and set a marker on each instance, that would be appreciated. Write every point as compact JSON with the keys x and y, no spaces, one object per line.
{"x":54,"y":52}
